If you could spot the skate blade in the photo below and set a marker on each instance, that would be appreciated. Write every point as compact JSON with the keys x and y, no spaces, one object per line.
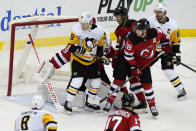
{"x":183,"y":98}
{"x":141,"y":111}
{"x":106,"y":113}
{"x":88,"y":109}
{"x":144,"y":110}
{"x":155,"y":117}
{"x":98,"y":111}
{"x":67,"y":112}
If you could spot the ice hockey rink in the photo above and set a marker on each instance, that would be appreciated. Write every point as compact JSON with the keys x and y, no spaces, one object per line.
{"x":173,"y":114}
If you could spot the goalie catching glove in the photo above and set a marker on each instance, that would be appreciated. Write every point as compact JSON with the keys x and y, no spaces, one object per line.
{"x":45,"y":72}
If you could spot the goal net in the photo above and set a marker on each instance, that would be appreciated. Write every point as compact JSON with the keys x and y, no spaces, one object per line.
{"x":50,"y":35}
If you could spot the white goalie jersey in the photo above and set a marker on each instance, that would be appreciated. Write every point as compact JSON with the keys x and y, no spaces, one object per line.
{"x":35,"y":120}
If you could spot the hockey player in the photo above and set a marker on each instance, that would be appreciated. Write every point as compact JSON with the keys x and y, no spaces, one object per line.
{"x":139,"y":50}
{"x":119,"y":62}
{"x":171,"y":29}
{"x":124,"y":119}
{"x":61,"y":58}
{"x":86,"y":42}
{"x":36,"y":119}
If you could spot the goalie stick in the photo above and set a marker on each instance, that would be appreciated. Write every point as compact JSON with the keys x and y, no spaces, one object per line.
{"x":161,"y":53}
{"x":49,"y":85}
{"x":188,"y":67}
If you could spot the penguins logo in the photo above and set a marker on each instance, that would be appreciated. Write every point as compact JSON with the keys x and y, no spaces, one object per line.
{"x":89,"y":43}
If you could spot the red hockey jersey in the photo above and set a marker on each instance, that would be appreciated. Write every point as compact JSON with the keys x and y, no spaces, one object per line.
{"x":121,"y":32}
{"x":123,"y":120}
{"x":138,"y":51}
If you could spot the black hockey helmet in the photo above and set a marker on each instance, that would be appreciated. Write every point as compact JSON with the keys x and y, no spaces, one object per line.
{"x":127,"y":99}
{"x":142,"y":24}
{"x":120,"y":11}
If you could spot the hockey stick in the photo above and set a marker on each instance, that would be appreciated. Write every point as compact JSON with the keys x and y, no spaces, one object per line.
{"x":188,"y":67}
{"x":161,"y":53}
{"x":49,"y":85}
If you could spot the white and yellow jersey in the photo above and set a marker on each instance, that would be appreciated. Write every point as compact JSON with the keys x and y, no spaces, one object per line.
{"x":89,"y":39}
{"x":35,"y":120}
{"x":170,"y":28}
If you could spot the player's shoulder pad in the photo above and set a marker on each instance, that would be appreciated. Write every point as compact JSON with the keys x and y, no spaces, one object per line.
{"x":134,"y":39}
{"x":98,"y":30}
{"x":130,"y":22}
{"x":77,"y":29}
{"x":173,"y":23}
{"x":153,"y":32}
{"x":151,"y":18}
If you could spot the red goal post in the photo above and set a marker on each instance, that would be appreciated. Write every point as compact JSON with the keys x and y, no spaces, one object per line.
{"x":38,"y":20}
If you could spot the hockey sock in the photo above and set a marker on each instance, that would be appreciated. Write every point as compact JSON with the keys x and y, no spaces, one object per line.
{"x":149,"y":93}
{"x":95,"y":84}
{"x":137,"y":89}
{"x":113,"y":90}
{"x":124,"y":89}
{"x":73,"y":88}
{"x":174,"y":79}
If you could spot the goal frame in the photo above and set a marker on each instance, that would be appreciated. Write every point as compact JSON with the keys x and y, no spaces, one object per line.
{"x":15,"y":24}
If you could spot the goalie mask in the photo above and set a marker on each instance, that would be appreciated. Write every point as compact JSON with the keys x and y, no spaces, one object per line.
{"x":86,"y":20}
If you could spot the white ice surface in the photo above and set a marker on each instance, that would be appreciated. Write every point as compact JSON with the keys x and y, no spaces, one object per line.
{"x":174,"y":115}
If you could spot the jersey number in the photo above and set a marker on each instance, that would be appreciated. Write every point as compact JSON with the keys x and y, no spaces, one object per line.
{"x":128,"y":46}
{"x":24,"y":122}
{"x":114,"y":118}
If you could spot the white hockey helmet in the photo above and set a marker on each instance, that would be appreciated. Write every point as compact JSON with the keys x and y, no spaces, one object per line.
{"x":160,"y":7}
{"x":86,"y":17}
{"x":37,"y":102}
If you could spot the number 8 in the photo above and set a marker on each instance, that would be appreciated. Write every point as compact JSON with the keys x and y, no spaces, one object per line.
{"x":24,"y":122}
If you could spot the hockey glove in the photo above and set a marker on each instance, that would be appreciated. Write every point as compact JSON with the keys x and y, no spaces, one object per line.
{"x":167,"y":49}
{"x":105,"y":60}
{"x":123,"y":32}
{"x":79,"y":49}
{"x":176,"y":59}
